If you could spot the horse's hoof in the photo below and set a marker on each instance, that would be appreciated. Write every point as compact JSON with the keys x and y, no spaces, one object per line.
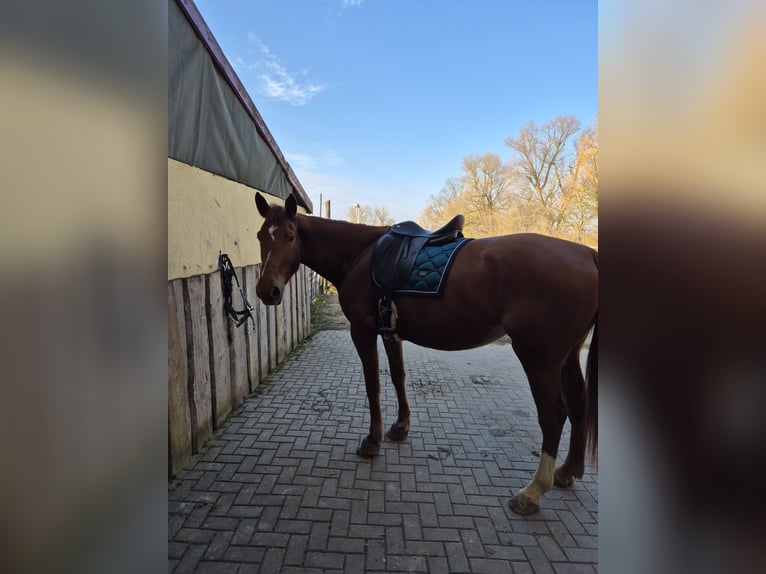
{"x":396,"y":433}
{"x":562,"y":478}
{"x":520,"y":504}
{"x":368,"y":449}
{"x":565,"y":475}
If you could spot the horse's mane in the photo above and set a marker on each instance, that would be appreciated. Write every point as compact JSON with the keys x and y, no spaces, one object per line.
{"x":355,"y":231}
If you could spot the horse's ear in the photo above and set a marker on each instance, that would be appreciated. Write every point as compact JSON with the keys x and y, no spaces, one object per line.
{"x":261,"y":204}
{"x":291,"y":206}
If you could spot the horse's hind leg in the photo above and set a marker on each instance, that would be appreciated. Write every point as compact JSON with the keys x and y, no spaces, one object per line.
{"x":574,"y":394}
{"x":545,"y":383}
{"x":401,"y":428}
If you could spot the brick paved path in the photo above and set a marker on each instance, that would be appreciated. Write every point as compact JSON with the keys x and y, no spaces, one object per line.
{"x":281,"y":488}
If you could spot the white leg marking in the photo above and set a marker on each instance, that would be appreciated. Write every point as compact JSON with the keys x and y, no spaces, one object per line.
{"x":542,"y":482}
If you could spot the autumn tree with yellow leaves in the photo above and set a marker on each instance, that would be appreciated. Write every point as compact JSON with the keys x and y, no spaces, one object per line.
{"x":548,"y":185}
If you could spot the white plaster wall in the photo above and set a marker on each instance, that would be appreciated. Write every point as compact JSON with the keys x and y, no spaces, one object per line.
{"x":208,"y":213}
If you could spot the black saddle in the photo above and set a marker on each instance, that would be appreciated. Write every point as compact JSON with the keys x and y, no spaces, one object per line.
{"x":451,"y":230}
{"x":395,"y":252}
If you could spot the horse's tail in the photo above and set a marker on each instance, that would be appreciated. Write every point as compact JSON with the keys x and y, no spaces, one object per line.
{"x":591,"y":408}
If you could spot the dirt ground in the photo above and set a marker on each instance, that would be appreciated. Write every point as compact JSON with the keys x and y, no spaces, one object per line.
{"x":326,"y":314}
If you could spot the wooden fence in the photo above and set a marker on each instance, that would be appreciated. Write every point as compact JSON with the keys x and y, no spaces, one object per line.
{"x":212,"y":364}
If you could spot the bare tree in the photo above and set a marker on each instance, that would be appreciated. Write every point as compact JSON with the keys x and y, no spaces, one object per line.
{"x":486,"y":184}
{"x":549,"y":185}
{"x":377,"y":215}
{"x":581,"y":187}
{"x":359,"y":213}
{"x":481,"y":193}
{"x":540,"y":165}
{"x":441,"y":206}
{"x":381,"y":216}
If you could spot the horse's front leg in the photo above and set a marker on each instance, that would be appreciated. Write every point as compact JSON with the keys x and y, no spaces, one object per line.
{"x":401,"y":428}
{"x":367,"y":347}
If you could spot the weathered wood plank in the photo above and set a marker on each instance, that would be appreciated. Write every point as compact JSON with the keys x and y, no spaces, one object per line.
{"x":307,"y":306}
{"x":219,"y":344}
{"x":200,"y":391}
{"x":271,"y":321}
{"x":280,"y":329}
{"x":251,"y":332}
{"x":179,"y":426}
{"x":303,"y":330}
{"x":302,"y":303}
{"x":238,"y":354}
{"x":288,"y":319}
{"x":295,"y":310}
{"x":263,"y":332}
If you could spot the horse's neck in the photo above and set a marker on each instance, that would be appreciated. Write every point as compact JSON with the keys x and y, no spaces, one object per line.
{"x":330,"y":247}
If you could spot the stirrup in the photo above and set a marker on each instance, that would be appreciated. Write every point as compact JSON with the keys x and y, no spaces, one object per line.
{"x":387,"y":316}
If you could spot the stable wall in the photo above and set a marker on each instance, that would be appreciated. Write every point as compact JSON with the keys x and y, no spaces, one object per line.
{"x":212,"y":364}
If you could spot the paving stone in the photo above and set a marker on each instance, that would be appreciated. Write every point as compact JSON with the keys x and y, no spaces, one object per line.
{"x":551,"y":549}
{"x":296,"y":548}
{"x":487,"y":566}
{"x":244,"y":554}
{"x":213,"y":568}
{"x":176,"y":549}
{"x":272,"y":560}
{"x":217,"y":547}
{"x":407,"y":564}
{"x":569,"y":568}
{"x":538,"y":560}
{"x":442,"y":534}
{"x":354,"y":564}
{"x":376,"y":555}
{"x":194,"y":535}
{"x":456,"y":556}
{"x":522,"y":568}
{"x":325,"y":560}
{"x":346,"y":545}
{"x":280,"y":487}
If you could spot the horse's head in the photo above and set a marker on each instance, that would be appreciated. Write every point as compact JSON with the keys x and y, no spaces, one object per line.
{"x":280,"y":248}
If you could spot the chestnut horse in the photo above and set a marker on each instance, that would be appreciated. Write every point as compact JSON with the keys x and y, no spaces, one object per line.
{"x":541,"y":291}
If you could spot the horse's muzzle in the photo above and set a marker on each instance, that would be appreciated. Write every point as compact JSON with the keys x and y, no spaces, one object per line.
{"x":269,"y":294}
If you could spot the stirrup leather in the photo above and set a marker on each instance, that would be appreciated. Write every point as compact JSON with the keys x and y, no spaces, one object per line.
{"x":387,"y":316}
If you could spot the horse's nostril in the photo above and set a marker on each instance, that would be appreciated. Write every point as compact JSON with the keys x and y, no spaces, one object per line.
{"x":275,"y":293}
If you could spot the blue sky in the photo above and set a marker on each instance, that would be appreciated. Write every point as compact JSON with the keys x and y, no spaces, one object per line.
{"x":379,"y":101}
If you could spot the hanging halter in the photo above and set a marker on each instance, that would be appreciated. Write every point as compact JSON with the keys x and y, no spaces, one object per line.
{"x":227,"y":272}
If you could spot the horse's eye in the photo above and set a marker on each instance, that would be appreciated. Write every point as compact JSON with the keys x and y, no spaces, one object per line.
{"x":291,"y":238}
{"x":259,"y":235}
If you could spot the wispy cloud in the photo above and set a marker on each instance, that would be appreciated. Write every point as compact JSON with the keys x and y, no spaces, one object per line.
{"x":275,"y":81}
{"x":318,"y":158}
{"x":346,"y":4}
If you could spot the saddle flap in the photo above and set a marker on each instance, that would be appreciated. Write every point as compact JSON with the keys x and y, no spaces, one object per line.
{"x":393,"y":259}
{"x":384,"y":257}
